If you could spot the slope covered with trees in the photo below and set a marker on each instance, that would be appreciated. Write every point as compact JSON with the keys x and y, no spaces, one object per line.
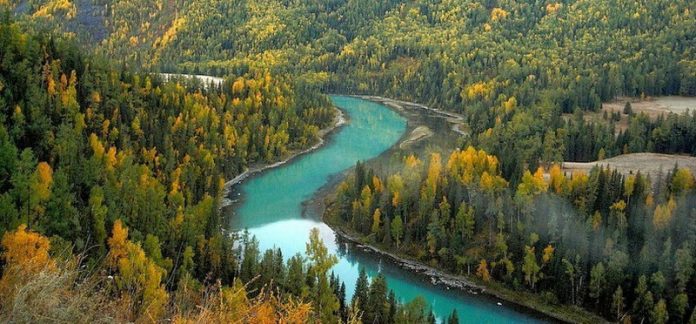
{"x":110,"y":183}
{"x":82,"y":143}
{"x":589,"y":240}
{"x":512,"y":68}
{"x":42,"y":281}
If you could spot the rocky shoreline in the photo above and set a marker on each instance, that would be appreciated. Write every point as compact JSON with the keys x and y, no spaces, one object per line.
{"x":450,"y":281}
{"x":436,"y":276}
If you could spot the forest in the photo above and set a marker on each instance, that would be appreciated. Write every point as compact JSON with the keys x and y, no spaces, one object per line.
{"x":511,"y":68}
{"x":105,"y":166}
{"x":588,"y":240}
{"x":107,"y":215}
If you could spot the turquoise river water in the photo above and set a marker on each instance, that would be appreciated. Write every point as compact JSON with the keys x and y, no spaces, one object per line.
{"x":271,"y":209}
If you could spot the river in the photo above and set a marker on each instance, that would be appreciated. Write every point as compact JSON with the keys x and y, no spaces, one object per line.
{"x":270,"y":207}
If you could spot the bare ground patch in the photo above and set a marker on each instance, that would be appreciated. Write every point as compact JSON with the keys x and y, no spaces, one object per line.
{"x":653,"y":107}
{"x":646,"y":163}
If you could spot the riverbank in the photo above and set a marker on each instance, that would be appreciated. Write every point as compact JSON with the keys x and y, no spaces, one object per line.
{"x":339,"y":120}
{"x":527,"y":302}
{"x":456,"y":120}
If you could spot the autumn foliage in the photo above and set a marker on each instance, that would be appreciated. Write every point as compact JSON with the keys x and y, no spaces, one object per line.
{"x":135,"y":294}
{"x":25,"y":254}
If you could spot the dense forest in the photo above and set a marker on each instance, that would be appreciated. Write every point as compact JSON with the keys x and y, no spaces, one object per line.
{"x":590,"y":240}
{"x":84,"y":143}
{"x":85,"y":146}
{"x":101,"y":158}
{"x":503,"y":64}
{"x":111,"y":183}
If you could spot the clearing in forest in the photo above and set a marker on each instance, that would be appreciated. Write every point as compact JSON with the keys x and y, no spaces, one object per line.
{"x":646,"y":163}
{"x":653,"y":107}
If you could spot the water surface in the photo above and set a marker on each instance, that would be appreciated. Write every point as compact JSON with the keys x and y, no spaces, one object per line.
{"x":271,"y":209}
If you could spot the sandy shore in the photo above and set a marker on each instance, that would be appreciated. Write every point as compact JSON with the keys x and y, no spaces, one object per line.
{"x":339,"y":120}
{"x":457,"y":120}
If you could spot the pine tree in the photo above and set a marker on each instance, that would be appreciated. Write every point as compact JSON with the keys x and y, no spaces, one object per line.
{"x":295,"y":279}
{"x":342,"y":301}
{"x":377,"y":308}
{"x":362,"y":288}
{"x":397,"y":230}
{"x":393,"y":307}
{"x":643,"y":304}
{"x":98,"y":213}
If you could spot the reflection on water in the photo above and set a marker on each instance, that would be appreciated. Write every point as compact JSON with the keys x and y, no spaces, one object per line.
{"x":271,"y":210}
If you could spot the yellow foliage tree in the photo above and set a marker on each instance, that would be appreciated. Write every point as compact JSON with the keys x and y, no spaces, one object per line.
{"x":26,"y":249}
{"x":43,"y":179}
{"x":553,"y":7}
{"x":377,"y":184}
{"x":412,"y":162}
{"x":25,"y":253}
{"x":469,"y":165}
{"x":138,"y":277}
{"x":663,"y":214}
{"x":238,"y":86}
{"x":482,"y":271}
{"x":532,"y":185}
{"x":50,"y":8}
{"x":479,"y":90}
{"x":376,"y":221}
{"x":498,"y":14}
{"x":547,"y":254}
{"x":557,"y":181}
{"x":682,"y":181}
{"x":96,"y":145}
{"x":434,"y":170}
{"x":510,"y":105}
{"x":117,"y":244}
{"x":395,"y":185}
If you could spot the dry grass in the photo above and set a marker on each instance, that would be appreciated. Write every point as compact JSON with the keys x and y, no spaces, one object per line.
{"x":653,"y":107}
{"x":56,"y":296}
{"x":646,"y":163}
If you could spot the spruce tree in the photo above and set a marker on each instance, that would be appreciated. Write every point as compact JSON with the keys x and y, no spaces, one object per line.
{"x":362,"y":288}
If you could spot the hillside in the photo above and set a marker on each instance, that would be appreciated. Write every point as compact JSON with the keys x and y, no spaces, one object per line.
{"x":512,"y":68}
{"x":92,"y":134}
